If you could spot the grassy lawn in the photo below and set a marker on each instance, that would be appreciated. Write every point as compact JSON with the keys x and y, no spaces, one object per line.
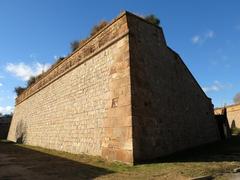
{"x":217,"y":159}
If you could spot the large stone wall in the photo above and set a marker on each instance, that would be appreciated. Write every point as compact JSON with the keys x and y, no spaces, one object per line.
{"x":233,"y":114}
{"x":85,"y":107}
{"x":170,"y":110}
{"x":123,"y":95}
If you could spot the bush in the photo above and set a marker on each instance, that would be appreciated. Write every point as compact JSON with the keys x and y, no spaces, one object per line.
{"x":39,"y":76}
{"x":19,"y":90}
{"x":74,"y":45}
{"x":98,"y":27}
{"x":81,"y":42}
{"x":153,"y":19}
{"x":31,"y":81}
{"x":59,"y":59}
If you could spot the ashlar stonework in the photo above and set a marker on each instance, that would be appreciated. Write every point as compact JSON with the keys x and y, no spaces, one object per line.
{"x":123,"y":95}
{"x":233,"y":114}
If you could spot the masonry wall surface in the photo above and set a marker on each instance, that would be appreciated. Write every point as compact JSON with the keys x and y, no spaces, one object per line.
{"x":233,"y":114}
{"x":170,"y":110}
{"x":86,"y":107}
{"x":123,"y":95}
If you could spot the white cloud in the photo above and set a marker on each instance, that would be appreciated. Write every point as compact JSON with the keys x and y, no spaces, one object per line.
{"x":209,"y":34}
{"x":216,"y":86}
{"x":20,"y":70}
{"x":1,"y":84}
{"x":24,"y":72}
{"x":195,"y":39}
{"x":6,"y":110}
{"x":200,"y":39}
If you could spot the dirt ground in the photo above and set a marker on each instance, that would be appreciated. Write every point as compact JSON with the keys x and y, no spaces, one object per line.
{"x":23,"y":162}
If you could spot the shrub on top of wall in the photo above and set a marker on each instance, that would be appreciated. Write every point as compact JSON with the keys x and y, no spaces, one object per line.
{"x":152,"y":19}
{"x":74,"y":45}
{"x":19,"y":90}
{"x":98,"y":27}
{"x":31,"y":81}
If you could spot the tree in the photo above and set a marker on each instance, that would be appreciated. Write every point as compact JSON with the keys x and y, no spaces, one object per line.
{"x":153,"y":19}
{"x":98,"y":27}
{"x":19,"y":90}
{"x":74,"y":45}
{"x":236,"y":98}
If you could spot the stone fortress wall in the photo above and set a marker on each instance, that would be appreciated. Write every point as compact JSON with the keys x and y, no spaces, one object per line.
{"x":71,"y":108}
{"x":123,"y":95}
{"x":170,"y":110}
{"x":233,"y":114}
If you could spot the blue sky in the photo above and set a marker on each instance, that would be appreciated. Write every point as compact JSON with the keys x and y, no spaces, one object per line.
{"x":205,"y":33}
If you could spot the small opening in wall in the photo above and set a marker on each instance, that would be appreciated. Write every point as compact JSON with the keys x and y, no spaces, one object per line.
{"x":114,"y":102}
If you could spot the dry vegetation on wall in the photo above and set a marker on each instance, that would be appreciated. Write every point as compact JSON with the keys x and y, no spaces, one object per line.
{"x":75,"y":45}
{"x":152,"y":19}
{"x":98,"y":27}
{"x":19,"y":90}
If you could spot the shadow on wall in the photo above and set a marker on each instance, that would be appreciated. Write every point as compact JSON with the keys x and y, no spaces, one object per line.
{"x":21,"y":132}
{"x":233,"y":125}
{"x":222,"y":123}
{"x":45,"y":166}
